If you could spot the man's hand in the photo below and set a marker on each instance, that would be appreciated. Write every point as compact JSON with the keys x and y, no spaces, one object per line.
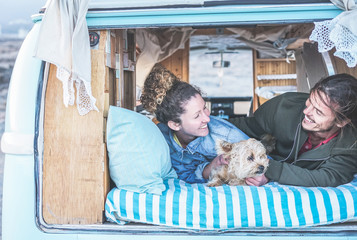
{"x":257,"y":181}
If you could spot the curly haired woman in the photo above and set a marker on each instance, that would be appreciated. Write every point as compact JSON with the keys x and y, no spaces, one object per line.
{"x":186,"y":123}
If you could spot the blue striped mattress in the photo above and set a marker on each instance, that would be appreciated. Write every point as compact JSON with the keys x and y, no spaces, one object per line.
{"x":196,"y":206}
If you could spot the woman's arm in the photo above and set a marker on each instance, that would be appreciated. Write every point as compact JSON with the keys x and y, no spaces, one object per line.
{"x":190,"y":172}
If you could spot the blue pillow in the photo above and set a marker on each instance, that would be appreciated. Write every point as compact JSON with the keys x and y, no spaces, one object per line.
{"x":139,"y":157}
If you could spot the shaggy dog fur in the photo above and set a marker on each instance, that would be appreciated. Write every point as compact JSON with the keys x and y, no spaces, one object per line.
{"x":247,"y":158}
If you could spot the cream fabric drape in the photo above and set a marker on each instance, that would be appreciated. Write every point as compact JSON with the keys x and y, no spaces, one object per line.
{"x":340,"y":32}
{"x":272,"y":41}
{"x":64,"y":41}
{"x":156,"y":45}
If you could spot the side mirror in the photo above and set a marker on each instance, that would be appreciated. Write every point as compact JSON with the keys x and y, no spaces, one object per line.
{"x":221,"y":64}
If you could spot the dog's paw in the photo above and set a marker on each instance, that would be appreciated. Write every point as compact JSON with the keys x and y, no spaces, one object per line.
{"x":214,"y":183}
{"x":269,"y":142}
{"x":237,"y":182}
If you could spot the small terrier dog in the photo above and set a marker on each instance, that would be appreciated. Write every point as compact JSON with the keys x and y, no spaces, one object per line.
{"x":247,"y":158}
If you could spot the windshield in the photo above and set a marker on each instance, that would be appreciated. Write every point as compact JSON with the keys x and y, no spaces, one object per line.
{"x":221,"y":66}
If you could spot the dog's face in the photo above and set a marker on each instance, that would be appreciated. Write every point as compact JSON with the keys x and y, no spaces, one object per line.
{"x":246,"y":158}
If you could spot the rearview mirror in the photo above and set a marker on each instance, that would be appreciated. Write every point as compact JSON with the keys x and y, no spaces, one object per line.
{"x":221,"y":64}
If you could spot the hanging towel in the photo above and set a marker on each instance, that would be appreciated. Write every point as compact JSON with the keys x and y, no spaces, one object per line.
{"x":64,"y":41}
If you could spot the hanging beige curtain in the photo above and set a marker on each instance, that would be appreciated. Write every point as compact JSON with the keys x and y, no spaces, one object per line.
{"x":64,"y":41}
{"x":156,"y":45}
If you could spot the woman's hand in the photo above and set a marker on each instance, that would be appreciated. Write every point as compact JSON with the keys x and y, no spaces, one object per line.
{"x":257,"y":181}
{"x":216,"y":162}
{"x":220,"y":160}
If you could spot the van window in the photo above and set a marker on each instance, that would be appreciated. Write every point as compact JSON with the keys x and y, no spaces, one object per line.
{"x":222,"y":66}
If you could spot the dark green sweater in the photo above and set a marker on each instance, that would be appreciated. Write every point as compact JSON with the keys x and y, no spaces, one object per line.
{"x":331,"y":164}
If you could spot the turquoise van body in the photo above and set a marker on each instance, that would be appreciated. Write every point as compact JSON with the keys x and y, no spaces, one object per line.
{"x":21,"y":218}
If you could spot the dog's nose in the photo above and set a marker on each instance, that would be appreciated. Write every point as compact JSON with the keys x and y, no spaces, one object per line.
{"x":260,"y":169}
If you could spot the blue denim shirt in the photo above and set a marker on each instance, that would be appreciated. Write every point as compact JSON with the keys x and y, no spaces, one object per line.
{"x":189,"y":162}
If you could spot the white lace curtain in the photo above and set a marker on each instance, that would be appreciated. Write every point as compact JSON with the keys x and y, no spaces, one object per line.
{"x":340,"y":32}
{"x":64,"y":41}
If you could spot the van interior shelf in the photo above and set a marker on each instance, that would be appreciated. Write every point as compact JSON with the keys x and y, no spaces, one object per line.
{"x":276,"y":77}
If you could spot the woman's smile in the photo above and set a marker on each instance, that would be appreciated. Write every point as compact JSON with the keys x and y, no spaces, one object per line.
{"x":195,"y":119}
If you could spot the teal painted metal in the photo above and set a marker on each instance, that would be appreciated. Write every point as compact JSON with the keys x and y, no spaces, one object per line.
{"x":223,"y":15}
{"x":19,"y":200}
{"x":219,"y":15}
{"x":18,"y":220}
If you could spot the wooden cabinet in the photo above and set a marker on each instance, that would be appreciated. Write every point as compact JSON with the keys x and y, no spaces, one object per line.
{"x":270,"y":73}
{"x":178,"y":63}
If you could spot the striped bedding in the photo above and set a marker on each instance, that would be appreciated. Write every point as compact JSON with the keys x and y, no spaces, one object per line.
{"x":196,"y":206}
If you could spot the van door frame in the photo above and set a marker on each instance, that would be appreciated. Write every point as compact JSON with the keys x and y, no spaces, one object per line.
{"x":218,"y":16}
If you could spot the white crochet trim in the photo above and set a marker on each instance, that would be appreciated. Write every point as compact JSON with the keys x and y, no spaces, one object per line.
{"x":329,"y":34}
{"x":345,"y":43}
{"x":85,"y":100}
{"x":67,"y":84}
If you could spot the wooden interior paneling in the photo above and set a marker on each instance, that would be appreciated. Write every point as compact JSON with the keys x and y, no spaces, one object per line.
{"x":272,"y":66}
{"x":314,"y":64}
{"x":340,"y":66}
{"x":73,"y":160}
{"x":301,"y":79}
{"x":75,"y":167}
{"x":128,"y":82}
{"x":178,"y":63}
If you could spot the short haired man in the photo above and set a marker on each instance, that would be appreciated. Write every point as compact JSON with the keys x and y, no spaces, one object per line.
{"x":316,"y":135}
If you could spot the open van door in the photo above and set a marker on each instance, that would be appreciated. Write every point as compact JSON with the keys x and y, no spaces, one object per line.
{"x":65,"y":178}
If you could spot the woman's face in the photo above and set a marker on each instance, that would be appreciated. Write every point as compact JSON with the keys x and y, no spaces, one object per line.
{"x":195,"y":118}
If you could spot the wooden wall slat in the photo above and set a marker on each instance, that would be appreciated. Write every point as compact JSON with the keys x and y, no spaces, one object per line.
{"x":73,"y":161}
{"x":314,"y":63}
{"x":271,"y":67}
{"x":178,"y":63}
{"x":75,"y":167}
{"x":340,"y":66}
{"x":301,"y":81}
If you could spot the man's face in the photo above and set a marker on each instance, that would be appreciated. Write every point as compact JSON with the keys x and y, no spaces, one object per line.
{"x":319,"y":118}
